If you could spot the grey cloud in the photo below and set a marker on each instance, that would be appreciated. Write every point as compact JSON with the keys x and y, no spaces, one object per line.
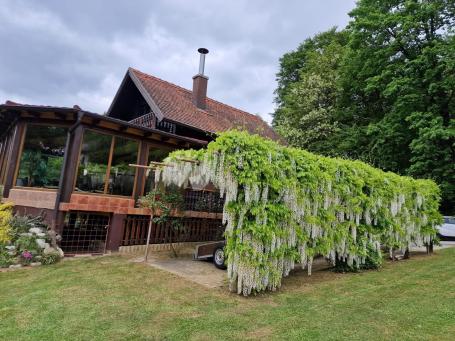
{"x":68,"y":52}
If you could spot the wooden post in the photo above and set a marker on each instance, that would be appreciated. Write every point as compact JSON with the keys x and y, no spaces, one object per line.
{"x":430,"y":247}
{"x":116,"y":232}
{"x":148,"y":238}
{"x":140,"y":178}
{"x":149,"y":232}
{"x":69,"y":172}
{"x":406,"y":253}
{"x":71,"y":160}
{"x":14,"y":158}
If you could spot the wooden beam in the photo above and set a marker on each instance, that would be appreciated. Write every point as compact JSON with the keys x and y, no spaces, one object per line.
{"x":155,"y":165}
{"x":188,"y":160}
{"x":14,"y":157}
{"x":109,"y":164}
{"x":140,"y":172}
{"x":60,"y":115}
{"x":70,"y":164}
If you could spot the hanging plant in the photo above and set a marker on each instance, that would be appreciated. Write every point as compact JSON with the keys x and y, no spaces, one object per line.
{"x":285,"y":206}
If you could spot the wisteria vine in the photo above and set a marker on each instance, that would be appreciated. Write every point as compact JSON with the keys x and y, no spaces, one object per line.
{"x":285,"y":206}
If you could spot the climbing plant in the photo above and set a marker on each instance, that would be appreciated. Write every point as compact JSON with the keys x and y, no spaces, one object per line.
{"x":285,"y":206}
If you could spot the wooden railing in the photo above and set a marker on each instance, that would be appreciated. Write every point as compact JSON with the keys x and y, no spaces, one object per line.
{"x":147,"y":121}
{"x":183,"y":230}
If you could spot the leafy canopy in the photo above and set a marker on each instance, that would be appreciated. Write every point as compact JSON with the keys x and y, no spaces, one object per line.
{"x":388,"y":97}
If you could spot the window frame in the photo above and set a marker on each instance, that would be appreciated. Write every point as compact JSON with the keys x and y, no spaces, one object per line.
{"x":149,"y":146}
{"x":5,"y":149}
{"x":109,"y":164}
{"x":21,"y":150}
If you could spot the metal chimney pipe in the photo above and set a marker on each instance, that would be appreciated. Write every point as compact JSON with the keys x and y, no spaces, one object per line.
{"x":203,"y":52}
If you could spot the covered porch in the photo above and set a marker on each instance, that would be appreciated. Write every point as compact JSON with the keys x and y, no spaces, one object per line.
{"x":73,"y":167}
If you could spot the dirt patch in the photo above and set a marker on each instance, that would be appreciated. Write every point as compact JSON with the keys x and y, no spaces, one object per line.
{"x":201,"y":272}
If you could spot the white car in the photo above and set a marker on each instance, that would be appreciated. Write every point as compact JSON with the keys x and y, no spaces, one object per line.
{"x":447,"y":229}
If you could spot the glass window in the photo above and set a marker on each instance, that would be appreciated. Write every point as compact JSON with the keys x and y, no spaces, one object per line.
{"x":104,"y":164}
{"x":155,"y":155}
{"x":93,"y":162}
{"x":121,"y":180}
{"x":42,"y":156}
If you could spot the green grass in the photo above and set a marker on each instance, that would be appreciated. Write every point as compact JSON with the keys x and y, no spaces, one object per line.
{"x":109,"y":298}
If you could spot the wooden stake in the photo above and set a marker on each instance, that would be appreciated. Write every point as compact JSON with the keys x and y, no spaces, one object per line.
{"x":187,"y":160}
{"x":149,"y":232}
{"x":156,"y":165}
{"x":148,"y":238}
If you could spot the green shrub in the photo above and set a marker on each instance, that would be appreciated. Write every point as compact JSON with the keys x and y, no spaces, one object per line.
{"x":29,"y":240}
{"x":23,"y":224}
{"x":5,"y":258}
{"x":50,"y":258}
{"x":373,"y":261}
{"x":26,"y":243}
{"x":6,"y":213}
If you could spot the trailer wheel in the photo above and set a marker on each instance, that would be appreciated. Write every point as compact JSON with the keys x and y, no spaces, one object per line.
{"x":218,"y":257}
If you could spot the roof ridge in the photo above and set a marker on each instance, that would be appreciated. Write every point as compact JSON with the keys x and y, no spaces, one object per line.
{"x":208,"y":98}
{"x":162,"y":80}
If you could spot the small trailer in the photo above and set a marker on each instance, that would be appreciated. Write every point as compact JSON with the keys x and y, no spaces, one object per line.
{"x":214,"y":250}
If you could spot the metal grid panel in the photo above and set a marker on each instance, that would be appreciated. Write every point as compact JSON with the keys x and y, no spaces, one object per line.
{"x":85,"y":233}
{"x":203,"y":201}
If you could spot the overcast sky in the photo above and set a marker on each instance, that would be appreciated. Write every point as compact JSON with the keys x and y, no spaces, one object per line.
{"x":56,"y":52}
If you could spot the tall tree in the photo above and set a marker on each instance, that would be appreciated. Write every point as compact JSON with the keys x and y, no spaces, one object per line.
{"x":392,"y":91}
{"x":398,"y":78}
{"x":308,"y":90}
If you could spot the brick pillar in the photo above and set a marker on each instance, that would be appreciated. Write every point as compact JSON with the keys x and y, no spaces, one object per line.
{"x":115,"y":233}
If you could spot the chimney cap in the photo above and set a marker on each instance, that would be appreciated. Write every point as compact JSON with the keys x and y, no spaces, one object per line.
{"x":202,"y":50}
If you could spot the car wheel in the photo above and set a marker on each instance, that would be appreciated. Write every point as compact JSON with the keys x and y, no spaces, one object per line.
{"x":218,"y":258}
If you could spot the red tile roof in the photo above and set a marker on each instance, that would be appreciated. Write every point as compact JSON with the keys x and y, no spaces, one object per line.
{"x":175,"y":103}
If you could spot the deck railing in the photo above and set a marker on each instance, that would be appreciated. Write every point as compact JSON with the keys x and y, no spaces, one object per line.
{"x":184,"y":230}
{"x":147,"y":121}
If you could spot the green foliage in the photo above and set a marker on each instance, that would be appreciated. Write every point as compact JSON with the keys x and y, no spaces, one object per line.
{"x":307,"y":91}
{"x":162,"y":202}
{"x":50,"y":258}
{"x":5,"y":258}
{"x":286,"y":205}
{"x":391,"y":91}
{"x":29,"y":241}
{"x":6,"y":213}
{"x":22,"y":224}
{"x":26,"y":243}
{"x":373,"y":261}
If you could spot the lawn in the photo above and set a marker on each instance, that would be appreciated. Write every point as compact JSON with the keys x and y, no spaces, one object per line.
{"x":109,"y":298}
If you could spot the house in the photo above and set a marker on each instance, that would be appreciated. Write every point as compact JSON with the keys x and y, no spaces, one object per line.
{"x":73,"y":166}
